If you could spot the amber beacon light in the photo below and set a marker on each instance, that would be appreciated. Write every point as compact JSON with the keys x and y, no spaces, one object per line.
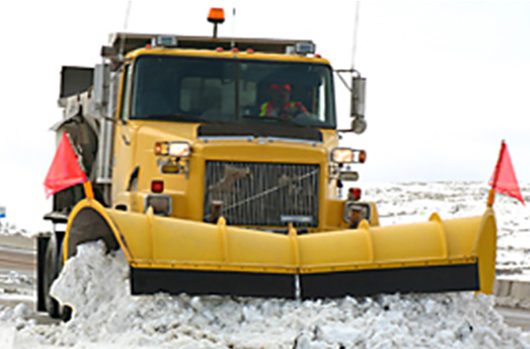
{"x":216,"y":16}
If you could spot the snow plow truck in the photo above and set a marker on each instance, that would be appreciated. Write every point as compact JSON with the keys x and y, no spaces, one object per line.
{"x":215,"y":167}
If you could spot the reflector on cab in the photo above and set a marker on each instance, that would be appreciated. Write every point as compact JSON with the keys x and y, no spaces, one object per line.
{"x":157,"y":186}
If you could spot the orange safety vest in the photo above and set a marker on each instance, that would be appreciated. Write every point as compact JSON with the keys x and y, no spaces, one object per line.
{"x":267,"y":108}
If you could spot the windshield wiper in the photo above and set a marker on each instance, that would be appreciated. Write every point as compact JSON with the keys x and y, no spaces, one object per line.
{"x":177,"y":117}
{"x":276,"y":119}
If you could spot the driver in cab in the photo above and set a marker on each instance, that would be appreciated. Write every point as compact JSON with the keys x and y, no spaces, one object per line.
{"x":280,"y":105}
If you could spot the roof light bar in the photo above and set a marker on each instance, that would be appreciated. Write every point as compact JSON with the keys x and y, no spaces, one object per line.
{"x":304,"y":48}
{"x":164,"y":41}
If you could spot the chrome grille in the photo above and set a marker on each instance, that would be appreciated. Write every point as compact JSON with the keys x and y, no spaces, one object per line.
{"x":265,"y":194}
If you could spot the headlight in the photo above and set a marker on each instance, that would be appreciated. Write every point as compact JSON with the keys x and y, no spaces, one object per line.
{"x":348,"y":156}
{"x":179,"y":149}
{"x":176,"y":149}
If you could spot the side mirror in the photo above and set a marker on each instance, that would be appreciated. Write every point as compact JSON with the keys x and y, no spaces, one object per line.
{"x":358,"y":99}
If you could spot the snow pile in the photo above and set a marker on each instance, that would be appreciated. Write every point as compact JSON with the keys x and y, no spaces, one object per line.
{"x":19,"y":315}
{"x":15,"y":278}
{"x":511,"y":302}
{"x":96,"y":285}
{"x":10,"y":229}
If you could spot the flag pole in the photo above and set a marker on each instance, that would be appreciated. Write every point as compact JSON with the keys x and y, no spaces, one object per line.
{"x":491,"y":194}
{"x":89,"y":191}
{"x":87,"y":185}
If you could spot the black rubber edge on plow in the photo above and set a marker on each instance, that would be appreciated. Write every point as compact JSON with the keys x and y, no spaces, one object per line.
{"x":199,"y":282}
{"x":446,"y":278}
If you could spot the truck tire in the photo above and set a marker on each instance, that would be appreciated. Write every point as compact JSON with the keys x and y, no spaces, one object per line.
{"x":65,"y":311}
{"x":50,"y":273}
{"x":53,"y":265}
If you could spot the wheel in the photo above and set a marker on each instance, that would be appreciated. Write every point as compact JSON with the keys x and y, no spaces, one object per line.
{"x":50,"y":273}
{"x":53,"y":266}
{"x":65,"y":311}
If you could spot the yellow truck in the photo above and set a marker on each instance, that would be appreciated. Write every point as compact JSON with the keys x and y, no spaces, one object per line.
{"x":216,"y":169}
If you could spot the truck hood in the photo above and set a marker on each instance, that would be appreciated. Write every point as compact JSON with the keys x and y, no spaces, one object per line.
{"x":156,"y":131}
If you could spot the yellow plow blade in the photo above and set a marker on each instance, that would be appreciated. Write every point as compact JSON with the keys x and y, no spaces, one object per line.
{"x":173,"y":255}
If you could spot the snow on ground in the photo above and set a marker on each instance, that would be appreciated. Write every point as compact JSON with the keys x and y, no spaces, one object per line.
{"x":105,"y":315}
{"x":7,"y":228}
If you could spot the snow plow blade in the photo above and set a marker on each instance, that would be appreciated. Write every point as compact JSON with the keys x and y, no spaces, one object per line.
{"x":174,"y":255}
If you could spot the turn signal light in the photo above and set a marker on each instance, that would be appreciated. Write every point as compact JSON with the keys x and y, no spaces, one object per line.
{"x":161,"y":148}
{"x":362,"y":156}
{"x":157,"y":186}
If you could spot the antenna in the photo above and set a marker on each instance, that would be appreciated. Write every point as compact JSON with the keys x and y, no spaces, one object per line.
{"x":355,"y":30}
{"x":125,"y":26}
{"x":233,"y":42}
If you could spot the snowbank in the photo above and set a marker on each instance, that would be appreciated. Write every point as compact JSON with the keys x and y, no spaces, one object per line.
{"x":96,"y":285}
{"x":7,"y":228}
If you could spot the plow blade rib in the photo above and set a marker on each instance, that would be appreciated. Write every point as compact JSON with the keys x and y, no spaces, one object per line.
{"x":174,"y":256}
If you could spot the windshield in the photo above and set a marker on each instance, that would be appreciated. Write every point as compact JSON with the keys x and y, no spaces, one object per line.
{"x":232,"y":90}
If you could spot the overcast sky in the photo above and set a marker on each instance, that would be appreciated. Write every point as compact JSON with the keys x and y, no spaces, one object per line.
{"x":447,"y":80}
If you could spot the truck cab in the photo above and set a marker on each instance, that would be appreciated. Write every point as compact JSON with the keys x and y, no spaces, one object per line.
{"x":193,"y":127}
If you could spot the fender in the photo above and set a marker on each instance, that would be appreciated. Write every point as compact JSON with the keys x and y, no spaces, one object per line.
{"x":87,"y":222}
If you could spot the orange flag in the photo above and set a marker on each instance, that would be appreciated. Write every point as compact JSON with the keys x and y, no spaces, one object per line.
{"x":65,"y":170}
{"x":503,"y":180}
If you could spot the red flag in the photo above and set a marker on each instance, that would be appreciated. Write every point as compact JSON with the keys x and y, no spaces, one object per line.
{"x":503,"y":180}
{"x":64,"y":171}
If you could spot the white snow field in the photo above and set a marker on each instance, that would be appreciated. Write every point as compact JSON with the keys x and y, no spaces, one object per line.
{"x":107,"y":316}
